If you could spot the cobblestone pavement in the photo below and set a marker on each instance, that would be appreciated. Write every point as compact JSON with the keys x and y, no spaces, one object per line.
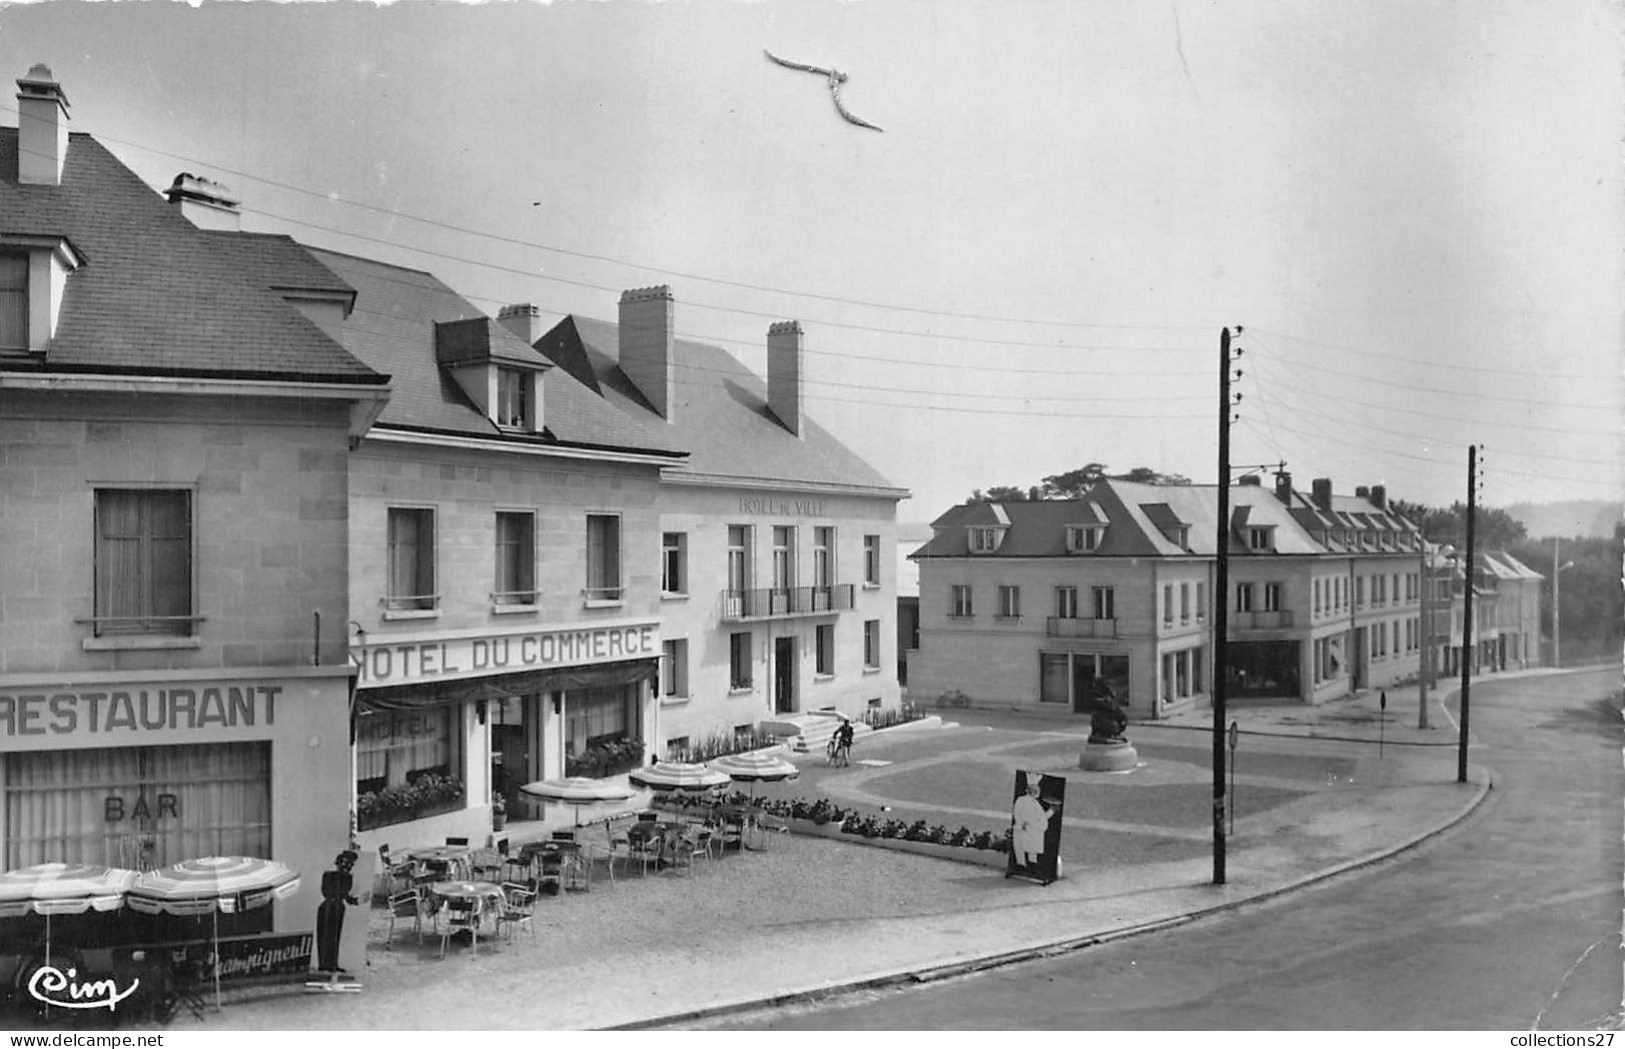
{"x":808,"y":915}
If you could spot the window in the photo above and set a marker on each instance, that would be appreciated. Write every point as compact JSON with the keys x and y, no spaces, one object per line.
{"x":784,"y":557}
{"x":959,"y":606}
{"x":603,"y":557}
{"x":677,"y":748}
{"x":516,"y":559}
{"x":1201,"y":602}
{"x":985,"y":540}
{"x":1009,"y":602}
{"x":1105,"y":602}
{"x":1083,"y":538}
{"x":871,"y":560}
{"x":1184,"y":602}
{"x":1260,"y":537}
{"x":871,"y":644}
{"x":1319,"y":588}
{"x":1054,"y":678}
{"x":1167,"y":604}
{"x":823,"y":557}
{"x":513,"y":398}
{"x":674,"y":668}
{"x":1182,"y":674}
{"x":1066,"y":602}
{"x":1197,"y":672}
{"x":1168,"y":660}
{"x":738,"y":557}
{"x":1179,"y":535}
{"x":1244,"y":597}
{"x":13,"y":302}
{"x":395,"y":748}
{"x":411,"y":560}
{"x":1359,"y":591}
{"x":143,"y":562}
{"x":824,"y":649}
{"x":674,"y":562}
{"x":1272,"y":597}
{"x":739,"y":662}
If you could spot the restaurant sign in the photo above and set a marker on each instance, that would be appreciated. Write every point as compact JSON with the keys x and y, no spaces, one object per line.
{"x":451,"y":658}
{"x":119,"y":711}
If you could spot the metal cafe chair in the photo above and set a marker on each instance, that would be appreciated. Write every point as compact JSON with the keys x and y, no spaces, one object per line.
{"x":518,"y":910}
{"x":405,"y":904}
{"x":462,"y":915}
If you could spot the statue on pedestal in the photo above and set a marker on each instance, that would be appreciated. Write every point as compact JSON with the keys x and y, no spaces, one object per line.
{"x":1106,"y":718}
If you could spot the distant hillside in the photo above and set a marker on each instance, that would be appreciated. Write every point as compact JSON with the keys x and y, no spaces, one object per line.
{"x":1581,"y":517}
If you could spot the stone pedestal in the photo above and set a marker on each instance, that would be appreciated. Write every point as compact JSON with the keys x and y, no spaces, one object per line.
{"x":1118,"y":756}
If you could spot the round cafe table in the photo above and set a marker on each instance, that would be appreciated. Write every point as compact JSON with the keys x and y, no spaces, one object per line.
{"x":483,"y":893}
{"x":456,"y":856}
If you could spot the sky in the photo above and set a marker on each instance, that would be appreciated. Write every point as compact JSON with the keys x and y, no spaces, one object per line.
{"x":1412,"y":209}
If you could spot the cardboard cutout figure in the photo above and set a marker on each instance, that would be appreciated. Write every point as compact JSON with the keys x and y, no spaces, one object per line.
{"x":337,"y":893}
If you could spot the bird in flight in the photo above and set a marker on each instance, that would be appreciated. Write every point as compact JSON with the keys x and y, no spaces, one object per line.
{"x":835,"y":79}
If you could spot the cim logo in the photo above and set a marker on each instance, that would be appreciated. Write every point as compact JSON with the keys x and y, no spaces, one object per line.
{"x":49,"y":981}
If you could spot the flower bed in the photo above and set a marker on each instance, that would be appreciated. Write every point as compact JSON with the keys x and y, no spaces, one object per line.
{"x":425,"y":796}
{"x":606,"y":759}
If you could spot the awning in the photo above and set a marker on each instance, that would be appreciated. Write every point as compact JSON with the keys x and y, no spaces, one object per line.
{"x":422,"y":695}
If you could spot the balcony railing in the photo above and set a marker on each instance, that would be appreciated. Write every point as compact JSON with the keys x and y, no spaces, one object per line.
{"x":778,"y":604}
{"x":1278,"y":620}
{"x":1063,"y":626}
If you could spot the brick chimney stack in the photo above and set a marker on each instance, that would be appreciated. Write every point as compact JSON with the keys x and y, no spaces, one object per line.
{"x":1379,"y":497}
{"x":1321,"y":492}
{"x":646,"y":344}
{"x":786,"y":360}
{"x":205,"y":203}
{"x":42,"y":128}
{"x":524,"y":320}
{"x":1283,"y":488}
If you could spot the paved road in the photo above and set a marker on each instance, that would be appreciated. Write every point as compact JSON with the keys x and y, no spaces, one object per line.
{"x":1509,"y":921}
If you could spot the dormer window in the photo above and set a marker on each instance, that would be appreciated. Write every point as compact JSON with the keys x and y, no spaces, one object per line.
{"x":13,"y":302}
{"x":1179,"y":535}
{"x":1083,"y":539}
{"x":33,"y":273}
{"x":1261,"y":537}
{"x":985,"y":540}
{"x":513,"y":399}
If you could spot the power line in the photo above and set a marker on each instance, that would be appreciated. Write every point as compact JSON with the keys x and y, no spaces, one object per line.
{"x":1422,"y":362}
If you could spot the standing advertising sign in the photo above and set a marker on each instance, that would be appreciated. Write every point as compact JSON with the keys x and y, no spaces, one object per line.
{"x":1035,"y":827}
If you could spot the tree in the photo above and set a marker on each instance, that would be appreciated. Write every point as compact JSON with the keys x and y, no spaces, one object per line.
{"x":1073,"y":483}
{"x":1002,"y":493}
{"x":1146,"y":475}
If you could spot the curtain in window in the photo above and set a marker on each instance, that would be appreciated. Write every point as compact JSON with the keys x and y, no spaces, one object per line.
{"x":604,"y":555}
{"x":58,"y":804}
{"x":143,"y":560}
{"x":389,"y":746}
{"x":13,"y":302}
{"x":411,"y":571}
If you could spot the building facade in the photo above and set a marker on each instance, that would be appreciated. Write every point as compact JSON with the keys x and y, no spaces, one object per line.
{"x":1061,"y":603}
{"x":174,"y":681}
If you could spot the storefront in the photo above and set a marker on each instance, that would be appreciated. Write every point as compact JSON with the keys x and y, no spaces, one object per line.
{"x":142,"y":770}
{"x":444,"y":723}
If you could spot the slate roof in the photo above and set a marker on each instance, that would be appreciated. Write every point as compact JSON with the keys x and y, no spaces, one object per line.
{"x":720,"y":413}
{"x":155,"y":296}
{"x":1137,"y":515}
{"x":393,"y":328}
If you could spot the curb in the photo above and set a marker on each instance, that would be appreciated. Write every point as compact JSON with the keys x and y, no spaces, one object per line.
{"x":1049,"y":948}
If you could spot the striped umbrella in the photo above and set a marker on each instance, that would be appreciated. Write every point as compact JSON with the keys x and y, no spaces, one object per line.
{"x":756,"y":766}
{"x":578,"y":791}
{"x":62,"y":888}
{"x":209,"y":886}
{"x":667,"y":776}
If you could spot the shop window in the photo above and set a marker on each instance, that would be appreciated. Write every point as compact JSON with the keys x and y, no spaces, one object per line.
{"x":1105,"y":602}
{"x":871,"y":560}
{"x":959,"y":602}
{"x":1182,"y":682}
{"x":824,"y":646}
{"x":408,"y":765}
{"x":411,"y":560}
{"x":516,"y":559}
{"x":1009,"y":602}
{"x":1054,"y":678}
{"x":674,"y":668}
{"x":143,"y":562}
{"x":603,"y":558}
{"x":739,"y":661}
{"x":13,"y":302}
{"x":1198,"y":671}
{"x":1066,"y":602}
{"x":674,"y":562}
{"x":602,"y":733}
{"x":871,"y":644}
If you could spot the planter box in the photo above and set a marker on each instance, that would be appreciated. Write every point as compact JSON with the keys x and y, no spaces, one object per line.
{"x":957,"y":853}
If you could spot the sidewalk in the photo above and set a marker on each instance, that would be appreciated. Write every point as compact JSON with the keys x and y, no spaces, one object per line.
{"x":809,"y":917}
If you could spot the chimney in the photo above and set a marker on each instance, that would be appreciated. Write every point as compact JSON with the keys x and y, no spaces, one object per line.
{"x":1379,"y":497}
{"x":42,"y":128}
{"x":785,"y":359}
{"x":645,"y":330}
{"x":1321,"y":489}
{"x":205,"y":203}
{"x":524,"y":320}
{"x":1361,"y":492}
{"x":1251,"y":481}
{"x":1283,"y":487}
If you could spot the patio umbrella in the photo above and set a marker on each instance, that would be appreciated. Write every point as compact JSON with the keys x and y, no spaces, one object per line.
{"x":577,"y":791}
{"x":209,"y":886}
{"x":62,"y":888}
{"x":756,"y":766}
{"x":666,"y":776}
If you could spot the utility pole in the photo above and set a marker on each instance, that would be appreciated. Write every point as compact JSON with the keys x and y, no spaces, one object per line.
{"x":1467,"y":612}
{"x":1557,"y":634}
{"x":1425,"y":629}
{"x":1221,"y":606}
